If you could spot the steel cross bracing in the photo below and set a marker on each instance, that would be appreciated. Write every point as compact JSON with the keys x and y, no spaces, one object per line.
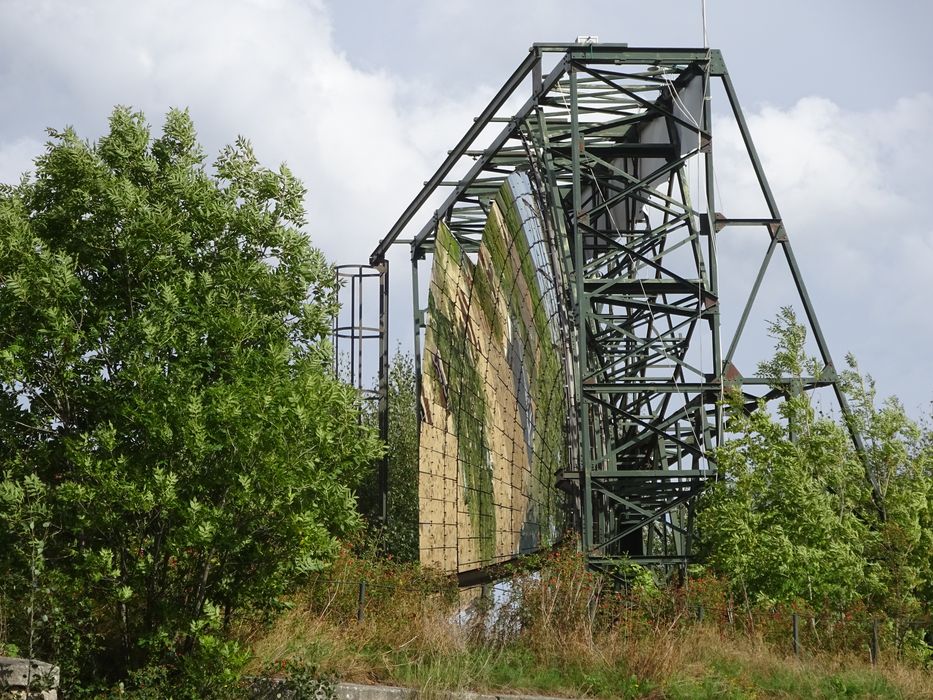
{"x":618,"y":140}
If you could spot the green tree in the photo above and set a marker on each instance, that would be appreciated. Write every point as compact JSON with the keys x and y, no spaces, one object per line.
{"x":398,"y":537}
{"x":171,"y":440}
{"x":794,"y":516}
{"x":782,"y":522}
{"x":899,"y":460}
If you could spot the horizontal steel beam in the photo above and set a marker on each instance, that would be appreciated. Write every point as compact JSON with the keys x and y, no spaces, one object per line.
{"x":642,"y":473}
{"x":498,"y":100}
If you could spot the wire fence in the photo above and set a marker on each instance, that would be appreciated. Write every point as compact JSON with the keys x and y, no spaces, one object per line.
{"x":504,"y":609}
{"x":803,"y":631}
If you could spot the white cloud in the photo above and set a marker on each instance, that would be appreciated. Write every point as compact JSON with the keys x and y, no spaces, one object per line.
{"x":16,"y":157}
{"x":852,"y":189}
{"x":851,"y":184}
{"x":361,"y":140}
{"x":829,"y":162}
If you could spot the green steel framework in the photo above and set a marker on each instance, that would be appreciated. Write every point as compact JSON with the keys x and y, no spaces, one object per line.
{"x":638,"y":255}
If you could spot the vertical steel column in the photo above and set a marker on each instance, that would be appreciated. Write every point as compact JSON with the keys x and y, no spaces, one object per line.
{"x":418,"y":321}
{"x":360,"y":330}
{"x":712,"y":250}
{"x":582,"y":311}
{"x":352,"y":331}
{"x":383,"y":268}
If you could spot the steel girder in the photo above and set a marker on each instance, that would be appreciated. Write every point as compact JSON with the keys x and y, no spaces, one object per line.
{"x":618,"y":140}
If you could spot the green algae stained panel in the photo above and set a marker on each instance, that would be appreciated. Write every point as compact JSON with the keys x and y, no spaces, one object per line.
{"x":455,"y":492}
{"x":493,"y":393}
{"x":543,"y":351}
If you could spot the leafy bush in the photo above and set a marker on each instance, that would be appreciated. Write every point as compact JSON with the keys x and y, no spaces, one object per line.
{"x":173,"y":448}
{"x":399,"y":536}
{"x":800,"y":518}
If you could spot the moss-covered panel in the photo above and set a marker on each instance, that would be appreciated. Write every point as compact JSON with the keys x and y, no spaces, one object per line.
{"x":493,"y":393}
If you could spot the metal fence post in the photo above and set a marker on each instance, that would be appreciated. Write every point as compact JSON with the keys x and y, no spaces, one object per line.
{"x":796,"y":627}
{"x":361,"y":601}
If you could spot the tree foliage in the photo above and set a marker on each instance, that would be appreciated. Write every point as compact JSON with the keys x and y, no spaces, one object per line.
{"x":399,"y":536}
{"x":780,"y":523}
{"x":173,"y":448}
{"x":899,"y":462}
{"x":792,"y":517}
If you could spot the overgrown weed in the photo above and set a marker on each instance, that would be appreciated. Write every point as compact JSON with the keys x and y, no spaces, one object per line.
{"x":555,"y":627}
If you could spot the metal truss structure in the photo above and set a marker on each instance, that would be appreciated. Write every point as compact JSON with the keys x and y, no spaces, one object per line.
{"x":619,"y":140}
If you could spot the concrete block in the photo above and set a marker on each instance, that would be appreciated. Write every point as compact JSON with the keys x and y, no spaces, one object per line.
{"x":16,"y":674}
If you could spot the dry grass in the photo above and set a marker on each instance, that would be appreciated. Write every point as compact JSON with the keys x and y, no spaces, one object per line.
{"x":406,"y":620}
{"x":559,"y":631}
{"x":718,"y":663}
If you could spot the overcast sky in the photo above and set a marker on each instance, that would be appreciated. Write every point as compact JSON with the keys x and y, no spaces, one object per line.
{"x":363,"y":99}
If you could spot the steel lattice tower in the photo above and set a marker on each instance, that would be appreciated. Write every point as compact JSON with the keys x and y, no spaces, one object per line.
{"x":618,"y":142}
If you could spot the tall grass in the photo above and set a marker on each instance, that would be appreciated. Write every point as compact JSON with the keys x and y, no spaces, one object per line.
{"x":558,"y":628}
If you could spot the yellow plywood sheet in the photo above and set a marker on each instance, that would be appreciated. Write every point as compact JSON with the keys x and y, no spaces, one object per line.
{"x":493,"y":394}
